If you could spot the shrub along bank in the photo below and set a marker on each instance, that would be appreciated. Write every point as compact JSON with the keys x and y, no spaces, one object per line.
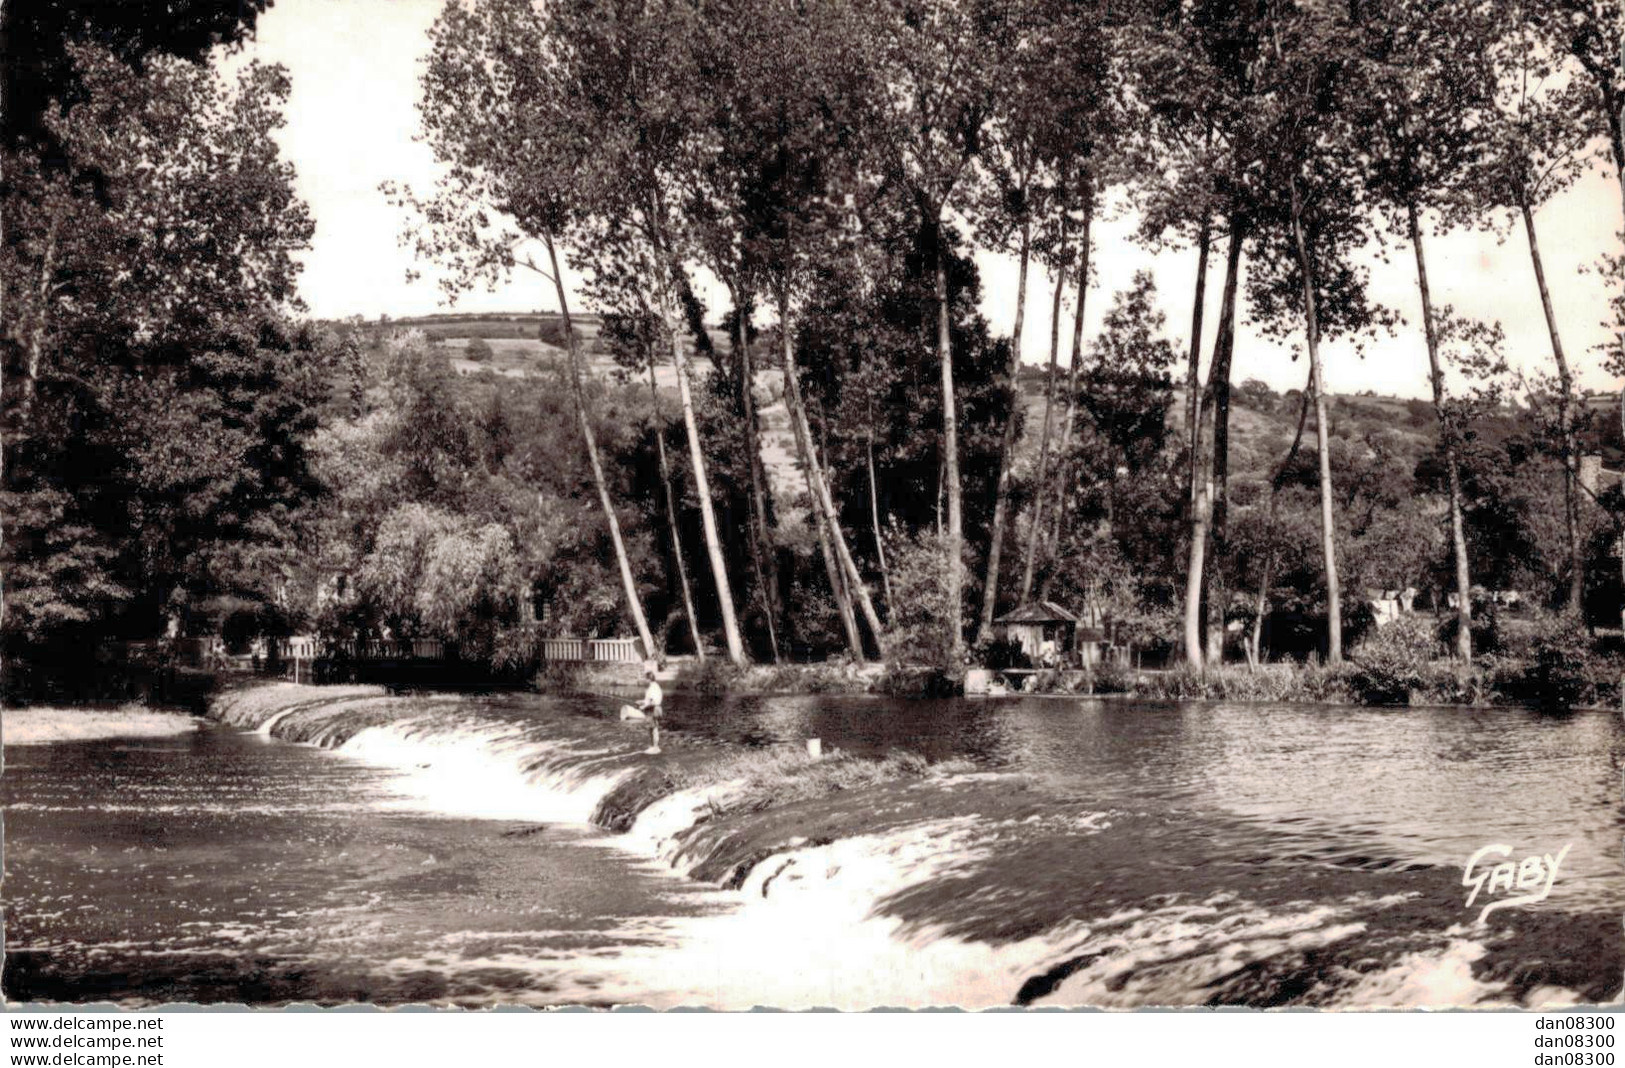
{"x":1556,"y":665}
{"x":1552,"y":663}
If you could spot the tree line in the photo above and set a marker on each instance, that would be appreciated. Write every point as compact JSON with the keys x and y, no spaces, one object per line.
{"x":178,"y":434}
{"x":811,"y":157}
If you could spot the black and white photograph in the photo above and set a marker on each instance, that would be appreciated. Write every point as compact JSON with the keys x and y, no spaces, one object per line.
{"x":813,"y":504}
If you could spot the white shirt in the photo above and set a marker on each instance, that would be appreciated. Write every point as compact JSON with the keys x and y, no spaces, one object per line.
{"x":652,"y":696}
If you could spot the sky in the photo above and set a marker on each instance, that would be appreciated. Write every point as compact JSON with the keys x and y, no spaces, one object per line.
{"x":352,"y":122}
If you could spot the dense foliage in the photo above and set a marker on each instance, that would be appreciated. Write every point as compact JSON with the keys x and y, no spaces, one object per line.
{"x":840,"y":454}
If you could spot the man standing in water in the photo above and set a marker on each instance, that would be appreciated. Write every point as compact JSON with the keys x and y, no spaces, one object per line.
{"x":650,"y":706}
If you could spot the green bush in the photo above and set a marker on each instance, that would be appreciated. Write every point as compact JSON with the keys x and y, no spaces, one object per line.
{"x":715,"y":674}
{"x":899,"y":680}
{"x":1558,"y":675}
{"x":558,"y":677}
{"x":1392,"y":664}
{"x":1486,"y":628}
{"x":922,"y":612}
{"x":479,"y":350}
{"x":1114,"y":678}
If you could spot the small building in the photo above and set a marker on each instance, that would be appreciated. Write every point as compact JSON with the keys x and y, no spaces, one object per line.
{"x":1038,"y":622}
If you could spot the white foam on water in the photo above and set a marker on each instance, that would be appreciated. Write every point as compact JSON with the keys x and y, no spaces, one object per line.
{"x":805,"y":933}
{"x":804,"y":929}
{"x":657,"y":829}
{"x":45,"y":726}
{"x":477,"y":772}
{"x":1181,"y":954}
{"x":1434,"y":979}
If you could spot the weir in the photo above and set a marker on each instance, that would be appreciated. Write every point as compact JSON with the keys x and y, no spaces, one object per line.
{"x":932,"y":883}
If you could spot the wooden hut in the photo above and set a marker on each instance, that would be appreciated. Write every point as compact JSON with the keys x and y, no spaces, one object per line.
{"x":1036,"y":623}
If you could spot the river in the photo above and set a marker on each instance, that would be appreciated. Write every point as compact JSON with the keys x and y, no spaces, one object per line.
{"x":339,"y":845}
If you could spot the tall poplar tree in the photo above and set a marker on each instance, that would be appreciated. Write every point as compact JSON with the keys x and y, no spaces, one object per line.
{"x":516,"y":169}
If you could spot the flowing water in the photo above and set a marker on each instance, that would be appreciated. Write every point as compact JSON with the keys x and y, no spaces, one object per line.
{"x":339,"y":845}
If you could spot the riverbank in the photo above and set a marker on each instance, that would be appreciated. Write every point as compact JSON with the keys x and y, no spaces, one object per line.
{"x":1051,"y":874}
{"x":716,"y":675}
{"x":1556,"y":668}
{"x":1492,"y":682}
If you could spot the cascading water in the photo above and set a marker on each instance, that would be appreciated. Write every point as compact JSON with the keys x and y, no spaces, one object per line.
{"x":1046,"y":860}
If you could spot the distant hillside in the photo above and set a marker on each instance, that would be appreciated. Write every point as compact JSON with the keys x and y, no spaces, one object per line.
{"x":1262,"y":421}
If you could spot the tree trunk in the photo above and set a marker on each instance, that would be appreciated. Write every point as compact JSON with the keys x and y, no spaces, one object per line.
{"x":1001,"y":500}
{"x":874,"y":514}
{"x":1042,"y":479}
{"x":702,"y":486}
{"x":1328,"y":523}
{"x":823,"y":500}
{"x":950,"y":452}
{"x":1193,"y":574}
{"x":1058,"y":513}
{"x":809,"y":465}
{"x":1256,"y":652}
{"x":832,"y":570}
{"x":1218,"y":386}
{"x":1565,"y":421}
{"x":579,"y":395}
{"x":1193,"y":379}
{"x":763,"y":557}
{"x":30,"y":378}
{"x":1205,"y":462}
{"x":671,"y":517}
{"x":940,"y":488}
{"x":1458,"y":532}
{"x":36,"y":336}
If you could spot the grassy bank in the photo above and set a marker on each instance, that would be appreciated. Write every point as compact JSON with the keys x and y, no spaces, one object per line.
{"x":717,"y":676}
{"x":1491,"y":680}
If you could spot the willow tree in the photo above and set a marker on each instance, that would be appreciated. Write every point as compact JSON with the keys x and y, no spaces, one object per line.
{"x":514,"y":182}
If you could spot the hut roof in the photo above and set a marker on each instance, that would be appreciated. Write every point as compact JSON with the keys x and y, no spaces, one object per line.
{"x":1038,"y":612}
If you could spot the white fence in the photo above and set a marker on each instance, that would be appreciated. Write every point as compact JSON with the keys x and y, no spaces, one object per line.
{"x":413,"y":649}
{"x":596,"y":650}
{"x":615,"y":650}
{"x":563,"y":649}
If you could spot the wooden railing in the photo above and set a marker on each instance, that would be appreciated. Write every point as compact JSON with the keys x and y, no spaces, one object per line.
{"x":594,"y":650}
{"x":403,"y":649}
{"x":614,"y":650}
{"x":557,"y":649}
